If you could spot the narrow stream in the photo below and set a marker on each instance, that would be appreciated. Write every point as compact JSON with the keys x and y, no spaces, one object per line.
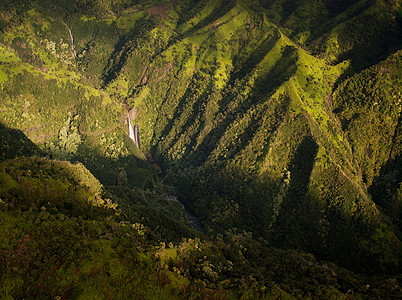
{"x":192,"y":219}
{"x":167,"y":196}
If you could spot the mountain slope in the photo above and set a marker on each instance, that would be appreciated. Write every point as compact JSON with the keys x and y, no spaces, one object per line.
{"x":63,"y":238}
{"x":234,"y":97}
{"x":276,"y":120}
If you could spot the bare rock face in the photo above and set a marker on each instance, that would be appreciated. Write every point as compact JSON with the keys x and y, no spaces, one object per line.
{"x":132,"y":114}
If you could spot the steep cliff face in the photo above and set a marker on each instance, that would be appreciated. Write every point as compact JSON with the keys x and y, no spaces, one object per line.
{"x":278,"y":118}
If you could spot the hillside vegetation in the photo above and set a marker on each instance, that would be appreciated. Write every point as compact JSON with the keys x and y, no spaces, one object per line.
{"x":277,"y":122}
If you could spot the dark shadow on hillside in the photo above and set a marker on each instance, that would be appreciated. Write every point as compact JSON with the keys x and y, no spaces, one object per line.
{"x":262,"y":90}
{"x":128,"y":181}
{"x":290,"y":5}
{"x":197,"y":108}
{"x":225,"y":7}
{"x":334,"y":18}
{"x":374,"y":46}
{"x":255,"y":58}
{"x":335,"y":7}
{"x":199,"y":156}
{"x":14,"y":143}
{"x":277,"y":116}
{"x":345,"y":75}
{"x":124,"y":47}
{"x":384,"y":190}
{"x":183,"y":102}
{"x":223,"y":201}
{"x":300,"y":168}
{"x":134,"y":184}
{"x":289,"y":226}
{"x":283,"y":69}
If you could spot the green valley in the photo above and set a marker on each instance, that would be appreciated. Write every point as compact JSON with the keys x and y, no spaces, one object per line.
{"x":270,"y":159}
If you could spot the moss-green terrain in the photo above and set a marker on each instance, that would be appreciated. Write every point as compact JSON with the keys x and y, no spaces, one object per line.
{"x":276,"y":123}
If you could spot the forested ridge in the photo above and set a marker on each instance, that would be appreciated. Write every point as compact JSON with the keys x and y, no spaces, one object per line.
{"x":276,"y":123}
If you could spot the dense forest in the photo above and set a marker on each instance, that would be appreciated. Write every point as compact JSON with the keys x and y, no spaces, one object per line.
{"x":270,"y":159}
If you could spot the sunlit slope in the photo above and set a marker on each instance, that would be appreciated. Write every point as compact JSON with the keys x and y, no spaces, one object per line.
{"x":236,"y":98}
{"x":362,"y":31}
{"x":74,"y":241}
{"x":246,"y":105}
{"x":57,"y":102}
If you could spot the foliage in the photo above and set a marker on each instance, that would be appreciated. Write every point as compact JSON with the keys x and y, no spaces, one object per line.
{"x":277,"y":121}
{"x":64,"y":239}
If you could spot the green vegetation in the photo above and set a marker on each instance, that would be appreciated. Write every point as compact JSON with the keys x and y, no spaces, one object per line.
{"x":64,"y":238}
{"x":277,"y":122}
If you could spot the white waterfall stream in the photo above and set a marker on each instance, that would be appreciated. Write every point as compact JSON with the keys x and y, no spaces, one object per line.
{"x":131,"y":130}
{"x":72,"y":41}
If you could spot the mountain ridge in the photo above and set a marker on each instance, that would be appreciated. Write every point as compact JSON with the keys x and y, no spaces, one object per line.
{"x":277,"y":121}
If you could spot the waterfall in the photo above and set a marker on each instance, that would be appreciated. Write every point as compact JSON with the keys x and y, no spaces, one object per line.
{"x":72,"y":41}
{"x":134,"y":133}
{"x":137,"y":136}
{"x":72,"y":44}
{"x":130,"y":130}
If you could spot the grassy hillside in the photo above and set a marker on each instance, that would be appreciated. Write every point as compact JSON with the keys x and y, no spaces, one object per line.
{"x":65,"y":113}
{"x":277,"y":121}
{"x":63,"y":238}
{"x":233,"y":96}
